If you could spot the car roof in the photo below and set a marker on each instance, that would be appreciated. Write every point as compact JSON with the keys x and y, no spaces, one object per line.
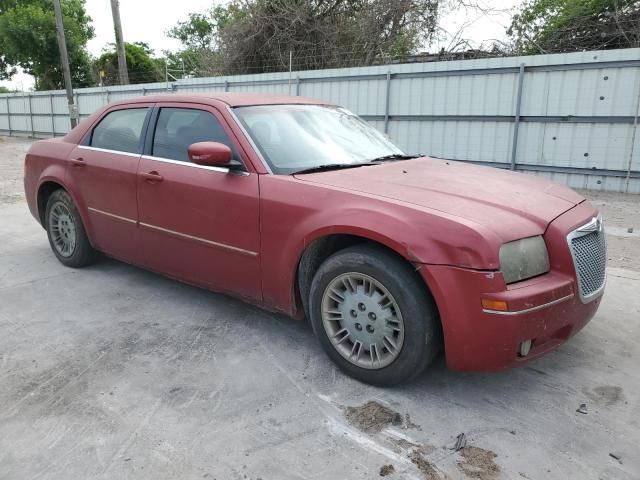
{"x":231,"y":99}
{"x":215,"y":99}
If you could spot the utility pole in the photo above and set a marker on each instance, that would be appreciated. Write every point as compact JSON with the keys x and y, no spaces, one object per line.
{"x":166,"y":74}
{"x":64,"y":59}
{"x":122,"y":58}
{"x":290,"y":68}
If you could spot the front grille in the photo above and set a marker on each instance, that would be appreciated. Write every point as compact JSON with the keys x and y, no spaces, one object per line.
{"x":590,"y":259}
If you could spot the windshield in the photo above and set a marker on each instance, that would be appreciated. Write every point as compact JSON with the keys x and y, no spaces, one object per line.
{"x":300,"y":137}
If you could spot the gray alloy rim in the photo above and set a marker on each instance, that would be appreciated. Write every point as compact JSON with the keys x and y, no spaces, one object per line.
{"x":62,"y":228}
{"x":362,"y":320}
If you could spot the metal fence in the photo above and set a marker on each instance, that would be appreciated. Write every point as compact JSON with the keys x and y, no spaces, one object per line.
{"x":569,"y":117}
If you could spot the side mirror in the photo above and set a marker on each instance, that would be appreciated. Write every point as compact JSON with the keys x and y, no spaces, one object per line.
{"x":211,"y":154}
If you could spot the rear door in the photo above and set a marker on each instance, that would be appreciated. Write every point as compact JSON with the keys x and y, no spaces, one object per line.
{"x":104,"y":171}
{"x":198,"y":223}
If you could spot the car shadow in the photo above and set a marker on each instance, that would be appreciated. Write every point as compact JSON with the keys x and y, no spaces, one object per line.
{"x":437,"y":379}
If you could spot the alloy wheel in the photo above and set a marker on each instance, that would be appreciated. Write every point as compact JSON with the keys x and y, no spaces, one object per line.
{"x":62,"y":227}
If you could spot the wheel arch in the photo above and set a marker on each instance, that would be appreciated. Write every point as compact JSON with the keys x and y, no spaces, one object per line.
{"x":323,"y":246}
{"x":47,"y":186}
{"x":45,"y":189}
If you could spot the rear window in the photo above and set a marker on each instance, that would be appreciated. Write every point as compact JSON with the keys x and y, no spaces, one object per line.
{"x":120,"y":130}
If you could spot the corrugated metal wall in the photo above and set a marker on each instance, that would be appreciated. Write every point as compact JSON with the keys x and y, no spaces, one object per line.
{"x":570,"y":117}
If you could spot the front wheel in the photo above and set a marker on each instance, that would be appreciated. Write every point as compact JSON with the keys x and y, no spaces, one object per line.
{"x":66,"y":233}
{"x":373,"y":316}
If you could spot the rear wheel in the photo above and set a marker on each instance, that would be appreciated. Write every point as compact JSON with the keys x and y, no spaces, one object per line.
{"x":66,"y":233}
{"x":373,"y":316}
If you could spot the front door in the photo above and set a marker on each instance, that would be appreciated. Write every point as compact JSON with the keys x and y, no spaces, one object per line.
{"x":197,"y":223}
{"x":104,"y":171}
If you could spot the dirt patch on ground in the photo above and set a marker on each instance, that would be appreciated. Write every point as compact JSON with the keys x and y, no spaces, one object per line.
{"x":409,"y":424}
{"x":479,"y":463}
{"x":606,"y":395}
{"x":386,"y":470}
{"x":373,"y":417}
{"x":426,"y":468}
{"x":406,"y":446}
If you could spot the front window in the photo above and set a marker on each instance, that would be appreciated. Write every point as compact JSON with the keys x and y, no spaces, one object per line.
{"x":292,"y":138}
{"x":178,"y":128}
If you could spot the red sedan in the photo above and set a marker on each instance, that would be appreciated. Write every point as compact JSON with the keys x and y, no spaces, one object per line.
{"x":303,"y":208}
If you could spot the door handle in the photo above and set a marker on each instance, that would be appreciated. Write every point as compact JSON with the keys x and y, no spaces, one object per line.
{"x":78,"y":162}
{"x":152,"y":177}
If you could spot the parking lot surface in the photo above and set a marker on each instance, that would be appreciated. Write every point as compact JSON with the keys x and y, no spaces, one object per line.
{"x":114,"y":372}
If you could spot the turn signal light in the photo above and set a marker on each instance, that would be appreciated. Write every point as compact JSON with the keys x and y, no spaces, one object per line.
{"x":499,"y":305}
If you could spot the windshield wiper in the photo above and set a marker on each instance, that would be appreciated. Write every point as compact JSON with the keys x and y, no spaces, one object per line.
{"x":374,"y":161}
{"x":394,"y":156}
{"x":332,"y":166}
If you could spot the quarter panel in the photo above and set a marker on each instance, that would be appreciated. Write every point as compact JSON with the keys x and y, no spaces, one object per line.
{"x":45,"y":161}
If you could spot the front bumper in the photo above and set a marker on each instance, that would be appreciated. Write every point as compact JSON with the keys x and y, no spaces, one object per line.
{"x":547,"y":309}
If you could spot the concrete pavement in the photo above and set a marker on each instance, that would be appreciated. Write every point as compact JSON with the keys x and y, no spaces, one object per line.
{"x":114,"y":372}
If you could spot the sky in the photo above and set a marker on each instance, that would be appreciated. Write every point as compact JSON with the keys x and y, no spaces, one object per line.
{"x":148,"y":21}
{"x":487,"y":23}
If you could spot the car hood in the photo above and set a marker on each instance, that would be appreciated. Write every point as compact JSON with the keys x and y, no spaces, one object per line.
{"x":511,"y":204}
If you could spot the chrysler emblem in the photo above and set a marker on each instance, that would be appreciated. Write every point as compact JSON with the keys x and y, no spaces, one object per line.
{"x":595,"y":225}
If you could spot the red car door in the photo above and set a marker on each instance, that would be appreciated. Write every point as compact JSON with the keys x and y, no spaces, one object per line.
{"x":197,"y":223}
{"x":103,"y":172}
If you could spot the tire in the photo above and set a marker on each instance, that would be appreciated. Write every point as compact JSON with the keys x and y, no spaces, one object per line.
{"x":388,"y":298}
{"x":66,"y":233}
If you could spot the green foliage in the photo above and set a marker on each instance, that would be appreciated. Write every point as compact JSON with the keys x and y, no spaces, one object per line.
{"x":198,"y":32}
{"x":4,"y":89}
{"x":141,"y":65}
{"x":28,"y":40}
{"x":547,"y":26}
{"x":182,"y":63}
{"x":252,"y":36}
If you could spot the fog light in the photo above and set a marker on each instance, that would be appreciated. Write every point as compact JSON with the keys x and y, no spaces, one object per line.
{"x":525,"y":348}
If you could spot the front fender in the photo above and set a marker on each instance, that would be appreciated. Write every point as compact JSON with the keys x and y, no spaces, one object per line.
{"x":419,"y":235}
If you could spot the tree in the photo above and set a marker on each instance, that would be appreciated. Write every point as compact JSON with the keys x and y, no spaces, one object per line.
{"x":141,"y":65}
{"x":549,"y":26}
{"x":183,"y":63}
{"x":28,"y":40}
{"x":200,"y":36}
{"x":252,"y":36}
{"x":4,"y":89}
{"x":198,"y":32}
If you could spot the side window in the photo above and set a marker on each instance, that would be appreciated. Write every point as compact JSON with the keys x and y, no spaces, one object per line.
{"x":120,"y":130}
{"x":177,"y":128}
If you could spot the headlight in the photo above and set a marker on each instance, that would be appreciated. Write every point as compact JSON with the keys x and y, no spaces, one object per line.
{"x":524,"y":259}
